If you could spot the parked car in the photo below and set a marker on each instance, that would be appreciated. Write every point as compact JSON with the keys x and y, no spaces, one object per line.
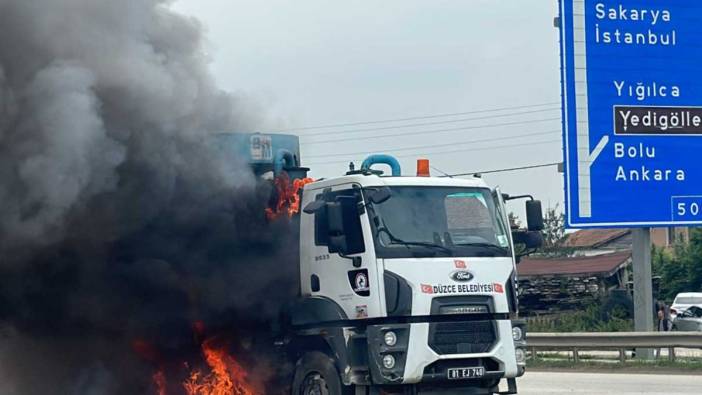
{"x":689,"y":320}
{"x":684,"y":301}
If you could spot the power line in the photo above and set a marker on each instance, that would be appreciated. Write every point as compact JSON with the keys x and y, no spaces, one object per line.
{"x":453,"y":151}
{"x":410,"y":125}
{"x":445,"y":174}
{"x":503,"y":170}
{"x":424,"y":132}
{"x":411,"y":118}
{"x":451,"y":144}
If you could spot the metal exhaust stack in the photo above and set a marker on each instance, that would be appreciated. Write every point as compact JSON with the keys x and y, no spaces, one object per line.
{"x":384,"y":160}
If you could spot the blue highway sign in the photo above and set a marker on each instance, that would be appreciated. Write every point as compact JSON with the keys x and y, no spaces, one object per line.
{"x":632,"y":112}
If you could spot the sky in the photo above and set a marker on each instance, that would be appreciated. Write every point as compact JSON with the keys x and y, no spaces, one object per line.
{"x":307,"y":63}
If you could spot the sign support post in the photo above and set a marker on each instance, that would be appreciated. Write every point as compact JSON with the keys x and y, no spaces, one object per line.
{"x":643,"y":289}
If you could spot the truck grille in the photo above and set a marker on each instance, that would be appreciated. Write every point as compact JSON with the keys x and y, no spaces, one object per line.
{"x":462,"y":337}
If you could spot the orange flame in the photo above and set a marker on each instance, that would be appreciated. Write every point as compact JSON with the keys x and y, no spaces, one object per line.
{"x":224,"y":375}
{"x":288,"y":196}
{"x":227,"y":376}
{"x":159,"y":379}
{"x":149,"y":353}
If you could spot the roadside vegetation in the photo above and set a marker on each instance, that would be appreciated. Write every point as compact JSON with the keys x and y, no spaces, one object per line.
{"x":593,"y":318}
{"x":680,"y":269}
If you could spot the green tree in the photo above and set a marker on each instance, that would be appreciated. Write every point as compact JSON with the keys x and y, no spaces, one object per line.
{"x":681,"y":269}
{"x":692,"y":259}
{"x":554,"y":234}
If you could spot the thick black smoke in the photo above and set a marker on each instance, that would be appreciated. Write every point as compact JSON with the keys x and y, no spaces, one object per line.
{"x":118,"y":223}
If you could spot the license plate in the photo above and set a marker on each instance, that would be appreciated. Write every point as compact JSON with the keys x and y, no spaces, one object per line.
{"x":465,"y":373}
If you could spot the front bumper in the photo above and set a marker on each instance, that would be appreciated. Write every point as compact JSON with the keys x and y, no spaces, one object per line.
{"x":418,"y":362}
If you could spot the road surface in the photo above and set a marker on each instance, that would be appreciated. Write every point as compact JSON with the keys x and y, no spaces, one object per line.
{"x":538,"y":383}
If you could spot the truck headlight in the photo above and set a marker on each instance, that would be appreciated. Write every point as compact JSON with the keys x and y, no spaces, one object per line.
{"x":520,"y":355}
{"x":388,"y":361}
{"x":517,"y":333}
{"x":390,"y":338}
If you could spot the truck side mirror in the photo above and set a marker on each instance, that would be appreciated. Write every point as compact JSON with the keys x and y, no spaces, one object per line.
{"x":344,"y":226}
{"x":535,"y":217}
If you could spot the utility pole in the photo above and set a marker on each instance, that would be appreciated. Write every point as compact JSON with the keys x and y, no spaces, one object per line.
{"x":643,"y":291}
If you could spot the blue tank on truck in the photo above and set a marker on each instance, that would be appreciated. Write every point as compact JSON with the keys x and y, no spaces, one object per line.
{"x":264,"y":152}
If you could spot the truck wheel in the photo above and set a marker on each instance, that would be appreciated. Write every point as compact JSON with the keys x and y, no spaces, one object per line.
{"x":316,"y":374}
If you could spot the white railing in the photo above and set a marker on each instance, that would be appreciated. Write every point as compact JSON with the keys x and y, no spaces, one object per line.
{"x":620,"y":341}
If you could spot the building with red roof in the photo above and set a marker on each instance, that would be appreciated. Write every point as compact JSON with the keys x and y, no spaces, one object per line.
{"x":566,"y":283}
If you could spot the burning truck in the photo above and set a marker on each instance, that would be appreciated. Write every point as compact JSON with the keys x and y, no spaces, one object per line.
{"x":135,"y":259}
{"x":406,"y":283}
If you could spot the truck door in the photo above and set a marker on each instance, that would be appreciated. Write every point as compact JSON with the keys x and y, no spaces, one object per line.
{"x":350,"y":281}
{"x":512,"y":284}
{"x":503,"y":216}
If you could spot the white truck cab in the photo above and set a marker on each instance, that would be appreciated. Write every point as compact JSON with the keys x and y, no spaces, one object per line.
{"x":407,"y":285}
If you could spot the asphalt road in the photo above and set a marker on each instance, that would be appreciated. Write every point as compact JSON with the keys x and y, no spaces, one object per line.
{"x":537,"y":383}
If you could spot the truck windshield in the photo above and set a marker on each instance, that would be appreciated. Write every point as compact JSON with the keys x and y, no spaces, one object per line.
{"x":439,"y":221}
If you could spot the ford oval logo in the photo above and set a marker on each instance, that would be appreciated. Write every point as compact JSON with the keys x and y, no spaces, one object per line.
{"x":462,"y":276}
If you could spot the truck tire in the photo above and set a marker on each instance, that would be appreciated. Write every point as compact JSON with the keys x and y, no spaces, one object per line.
{"x":315,"y":374}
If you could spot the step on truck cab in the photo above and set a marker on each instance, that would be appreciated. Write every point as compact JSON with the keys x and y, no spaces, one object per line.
{"x":407,"y":285}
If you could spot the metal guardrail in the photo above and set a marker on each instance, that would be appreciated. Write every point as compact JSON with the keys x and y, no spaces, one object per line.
{"x":612,"y":341}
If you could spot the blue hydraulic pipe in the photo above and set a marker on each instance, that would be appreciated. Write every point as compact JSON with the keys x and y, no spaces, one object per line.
{"x":283,"y":159}
{"x":385,"y":160}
